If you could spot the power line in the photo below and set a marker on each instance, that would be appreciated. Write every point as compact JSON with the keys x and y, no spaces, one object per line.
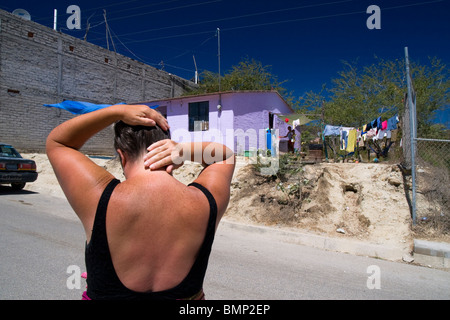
{"x":131,"y":8}
{"x":281,"y":22}
{"x":120,"y":3}
{"x":234,"y":18}
{"x":164,"y":10}
{"x":111,"y":32}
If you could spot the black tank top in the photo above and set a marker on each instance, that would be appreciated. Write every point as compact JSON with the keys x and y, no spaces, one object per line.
{"x":102,"y":280}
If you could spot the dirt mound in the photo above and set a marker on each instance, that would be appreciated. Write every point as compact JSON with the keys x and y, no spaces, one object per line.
{"x":363,"y":201}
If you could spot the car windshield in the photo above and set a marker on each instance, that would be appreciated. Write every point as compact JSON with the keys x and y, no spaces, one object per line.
{"x":9,"y":152}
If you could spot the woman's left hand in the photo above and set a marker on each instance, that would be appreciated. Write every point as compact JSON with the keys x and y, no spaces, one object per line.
{"x":164,"y":153}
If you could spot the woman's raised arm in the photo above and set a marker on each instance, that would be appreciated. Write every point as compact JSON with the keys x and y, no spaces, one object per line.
{"x":81,"y":179}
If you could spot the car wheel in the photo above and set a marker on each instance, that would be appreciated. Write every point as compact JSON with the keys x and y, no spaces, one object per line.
{"x":18,"y":186}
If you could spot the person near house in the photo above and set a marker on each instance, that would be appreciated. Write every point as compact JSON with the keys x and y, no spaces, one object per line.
{"x":290,"y":135}
{"x":149,"y":236}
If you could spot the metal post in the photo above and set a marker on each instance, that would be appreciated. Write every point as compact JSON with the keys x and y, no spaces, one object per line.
{"x":219,"y":106}
{"x":218,"y":52}
{"x":55,"y":17}
{"x":106,"y":29}
{"x":412,"y":117}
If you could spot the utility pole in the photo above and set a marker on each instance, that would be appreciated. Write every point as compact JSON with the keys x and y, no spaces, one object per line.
{"x":55,"y":18}
{"x":218,"y":52}
{"x":219,"y":106}
{"x":196,"y":72}
{"x":413,"y":133}
{"x":106,"y":23}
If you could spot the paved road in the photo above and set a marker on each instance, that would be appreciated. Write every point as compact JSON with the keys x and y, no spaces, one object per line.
{"x":41,"y":239}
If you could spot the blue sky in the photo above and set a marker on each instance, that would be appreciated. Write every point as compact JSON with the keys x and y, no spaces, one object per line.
{"x":304,"y":42}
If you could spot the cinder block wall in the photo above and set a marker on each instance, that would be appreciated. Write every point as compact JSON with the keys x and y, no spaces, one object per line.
{"x":39,"y":65}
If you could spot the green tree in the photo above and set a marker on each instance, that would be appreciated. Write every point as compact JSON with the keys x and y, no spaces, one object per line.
{"x":432,"y":88}
{"x":248,"y":74}
{"x":361,"y":94}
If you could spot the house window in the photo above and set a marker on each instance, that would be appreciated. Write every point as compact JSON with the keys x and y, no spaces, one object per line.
{"x":162,"y":110}
{"x":199,"y":116}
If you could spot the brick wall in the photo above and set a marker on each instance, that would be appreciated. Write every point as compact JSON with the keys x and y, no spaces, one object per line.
{"x":39,"y":65}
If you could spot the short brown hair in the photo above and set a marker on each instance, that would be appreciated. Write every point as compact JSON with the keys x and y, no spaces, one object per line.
{"x":133,"y":140}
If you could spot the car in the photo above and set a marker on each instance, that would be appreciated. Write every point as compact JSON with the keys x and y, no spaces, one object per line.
{"x":14,"y":169}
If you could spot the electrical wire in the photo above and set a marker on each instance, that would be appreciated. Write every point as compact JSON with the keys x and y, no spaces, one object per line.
{"x":164,"y":10}
{"x":132,"y":8}
{"x":255,"y":25}
{"x":234,"y":18}
{"x":143,"y":59}
{"x":280,"y":22}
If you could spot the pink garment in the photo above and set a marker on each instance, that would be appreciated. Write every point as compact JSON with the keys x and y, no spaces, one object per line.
{"x":85,"y":296}
{"x":384,"y":125}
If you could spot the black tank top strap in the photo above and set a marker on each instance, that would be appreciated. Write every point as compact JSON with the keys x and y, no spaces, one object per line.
{"x":98,"y":259}
{"x":209,"y":196}
{"x":211,"y":228}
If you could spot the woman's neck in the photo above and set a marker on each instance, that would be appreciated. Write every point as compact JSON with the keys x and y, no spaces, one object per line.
{"x":132,"y":170}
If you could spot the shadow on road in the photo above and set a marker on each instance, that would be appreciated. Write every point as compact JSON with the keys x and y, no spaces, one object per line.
{"x":4,"y":190}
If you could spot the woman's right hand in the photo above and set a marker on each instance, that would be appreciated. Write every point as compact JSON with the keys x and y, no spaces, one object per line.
{"x":164,"y":153}
{"x":142,"y":115}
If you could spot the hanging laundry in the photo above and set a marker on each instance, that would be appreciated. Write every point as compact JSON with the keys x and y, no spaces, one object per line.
{"x":363,"y":133}
{"x":392,"y":123}
{"x":371,"y":125}
{"x":343,"y":140}
{"x":344,"y":137}
{"x":351,"y":141}
{"x":371,"y":133}
{"x":384,"y":125}
{"x":364,"y":129}
{"x":331,"y":130}
{"x":359,"y":138}
{"x":378,"y":121}
{"x":380,"y":135}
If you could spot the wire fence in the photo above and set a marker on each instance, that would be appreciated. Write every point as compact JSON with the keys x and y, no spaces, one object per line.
{"x":427,"y":163}
{"x":433,"y":181}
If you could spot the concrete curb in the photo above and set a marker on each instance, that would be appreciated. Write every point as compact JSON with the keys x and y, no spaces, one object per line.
{"x":426,"y":253}
{"x":326,"y":243}
{"x":433,"y":254}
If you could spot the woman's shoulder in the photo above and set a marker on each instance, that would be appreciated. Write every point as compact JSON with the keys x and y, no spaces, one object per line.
{"x":171,"y":205}
{"x":163,"y":195}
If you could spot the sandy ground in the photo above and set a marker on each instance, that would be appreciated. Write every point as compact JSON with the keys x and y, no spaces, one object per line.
{"x":364,"y":201}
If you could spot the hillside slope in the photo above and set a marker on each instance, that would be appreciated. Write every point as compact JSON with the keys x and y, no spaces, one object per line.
{"x":361,"y":201}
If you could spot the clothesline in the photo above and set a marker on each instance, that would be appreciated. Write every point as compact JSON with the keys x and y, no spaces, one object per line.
{"x":350,"y":136}
{"x":389,"y":124}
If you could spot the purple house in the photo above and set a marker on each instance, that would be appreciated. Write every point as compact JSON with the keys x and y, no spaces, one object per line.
{"x":239,"y":119}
